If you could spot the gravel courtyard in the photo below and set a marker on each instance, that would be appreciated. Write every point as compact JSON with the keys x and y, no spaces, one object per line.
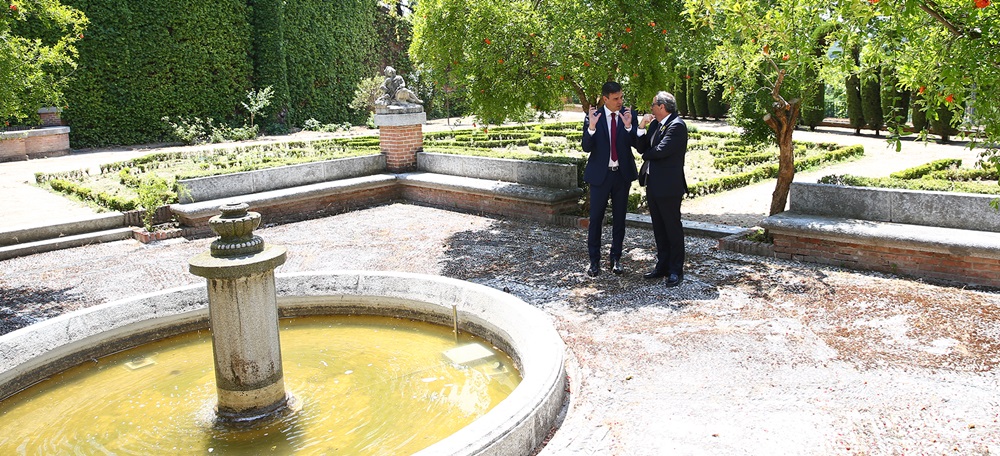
{"x":748,"y":356}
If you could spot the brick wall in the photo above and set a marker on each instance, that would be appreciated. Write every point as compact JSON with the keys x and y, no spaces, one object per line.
{"x":400,"y":145}
{"x":50,"y":119}
{"x":905,"y":261}
{"x":489,"y":204}
{"x":287,"y":211}
{"x":13,"y":149}
{"x":22,"y":147}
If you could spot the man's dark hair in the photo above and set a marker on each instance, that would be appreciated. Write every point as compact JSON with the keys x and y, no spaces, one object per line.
{"x":610,"y":87}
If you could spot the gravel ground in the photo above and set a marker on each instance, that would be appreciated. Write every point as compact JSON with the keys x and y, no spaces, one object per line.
{"x":748,"y":356}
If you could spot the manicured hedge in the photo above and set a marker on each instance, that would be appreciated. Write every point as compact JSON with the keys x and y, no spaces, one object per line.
{"x":939,"y":185}
{"x":145,"y":59}
{"x":920,"y":171}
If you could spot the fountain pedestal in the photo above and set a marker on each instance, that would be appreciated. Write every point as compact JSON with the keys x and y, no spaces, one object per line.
{"x":243,"y":314}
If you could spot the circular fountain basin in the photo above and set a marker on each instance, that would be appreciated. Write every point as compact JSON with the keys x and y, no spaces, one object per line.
{"x":516,"y":425}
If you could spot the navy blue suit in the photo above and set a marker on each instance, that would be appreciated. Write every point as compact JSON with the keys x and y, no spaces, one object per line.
{"x":663,"y":146}
{"x":607,"y":183}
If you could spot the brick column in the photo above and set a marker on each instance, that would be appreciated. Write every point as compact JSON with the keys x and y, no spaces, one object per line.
{"x":401,"y":136}
{"x":50,"y":117}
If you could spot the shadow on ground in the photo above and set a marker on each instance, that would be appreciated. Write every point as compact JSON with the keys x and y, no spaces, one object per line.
{"x":23,"y":306}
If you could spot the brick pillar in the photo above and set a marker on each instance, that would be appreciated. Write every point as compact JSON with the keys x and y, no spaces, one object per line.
{"x":50,"y":117}
{"x":401,"y":136}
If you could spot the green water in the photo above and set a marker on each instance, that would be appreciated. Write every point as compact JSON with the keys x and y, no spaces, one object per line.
{"x":364,"y":385}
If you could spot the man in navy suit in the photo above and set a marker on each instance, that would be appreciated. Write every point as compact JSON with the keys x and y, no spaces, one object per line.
{"x":608,"y":134}
{"x":663,"y":146}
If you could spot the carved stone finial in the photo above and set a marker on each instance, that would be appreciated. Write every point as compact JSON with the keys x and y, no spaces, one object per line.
{"x":235,"y":229}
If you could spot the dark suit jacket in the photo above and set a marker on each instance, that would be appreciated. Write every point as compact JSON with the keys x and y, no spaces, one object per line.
{"x":599,"y":147}
{"x":664,"y":146}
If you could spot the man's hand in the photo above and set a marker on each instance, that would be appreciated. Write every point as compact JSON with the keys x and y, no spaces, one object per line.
{"x":627,"y":118}
{"x":592,"y":116}
{"x":646,"y":119}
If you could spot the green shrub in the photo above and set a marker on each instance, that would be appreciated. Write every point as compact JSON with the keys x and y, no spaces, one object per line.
{"x":922,"y":170}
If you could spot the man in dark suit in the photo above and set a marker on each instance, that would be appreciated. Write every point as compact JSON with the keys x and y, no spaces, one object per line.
{"x":663,"y":146}
{"x":608,"y":134}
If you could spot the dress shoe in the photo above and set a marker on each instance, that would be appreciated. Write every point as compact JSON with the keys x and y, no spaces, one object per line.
{"x":654,"y":274}
{"x":616,"y":266}
{"x":595,"y":269}
{"x":673,"y":280}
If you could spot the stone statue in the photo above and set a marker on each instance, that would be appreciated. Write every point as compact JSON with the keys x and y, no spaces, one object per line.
{"x":396,"y":97}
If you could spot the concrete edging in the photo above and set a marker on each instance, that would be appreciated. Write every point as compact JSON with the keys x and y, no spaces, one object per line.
{"x":541,"y":174}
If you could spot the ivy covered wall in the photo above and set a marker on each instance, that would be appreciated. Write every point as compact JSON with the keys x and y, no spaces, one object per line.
{"x":142,"y":60}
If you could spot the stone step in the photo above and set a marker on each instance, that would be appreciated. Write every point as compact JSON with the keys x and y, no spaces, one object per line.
{"x":64,"y":242}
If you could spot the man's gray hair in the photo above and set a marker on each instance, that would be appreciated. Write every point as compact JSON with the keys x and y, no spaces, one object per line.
{"x":667,"y":100}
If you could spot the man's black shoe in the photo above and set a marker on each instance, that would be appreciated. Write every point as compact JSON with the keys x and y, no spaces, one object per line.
{"x":616,"y":266}
{"x":595,"y":269}
{"x":654,"y":274}
{"x":673,"y":280}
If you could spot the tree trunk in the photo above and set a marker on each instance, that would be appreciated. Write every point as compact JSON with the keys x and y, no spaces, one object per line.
{"x":782,"y":120}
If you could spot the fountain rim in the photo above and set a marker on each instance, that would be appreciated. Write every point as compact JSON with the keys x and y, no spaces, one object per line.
{"x":515,"y":426}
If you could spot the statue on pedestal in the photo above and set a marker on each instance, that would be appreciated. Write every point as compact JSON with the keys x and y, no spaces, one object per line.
{"x":396,"y":98}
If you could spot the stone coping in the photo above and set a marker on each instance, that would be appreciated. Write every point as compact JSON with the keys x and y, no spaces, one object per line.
{"x":262,"y":180}
{"x":486,"y":187}
{"x":209,"y":208}
{"x":98,"y":222}
{"x":44,"y":131}
{"x":951,"y":241}
{"x":914,"y":207}
{"x":555,"y":175}
{"x":515,"y":426}
{"x":400,"y":119}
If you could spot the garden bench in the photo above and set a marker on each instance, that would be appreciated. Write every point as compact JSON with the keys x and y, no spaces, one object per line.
{"x":937,"y":235}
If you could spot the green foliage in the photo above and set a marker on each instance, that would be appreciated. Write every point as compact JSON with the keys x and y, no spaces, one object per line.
{"x":937,"y":185}
{"x":257,"y":101}
{"x":315,"y":125}
{"x":268,"y":55}
{"x":198,"y":131}
{"x":112,"y":202}
{"x":146,"y":59}
{"x":925,"y":169}
{"x":154,"y":191}
{"x":516,"y":57}
{"x":365,"y":94}
{"x":769,"y":171}
{"x":38,"y":55}
{"x":328,"y":47}
{"x":871,"y":101}
{"x":855,"y":105}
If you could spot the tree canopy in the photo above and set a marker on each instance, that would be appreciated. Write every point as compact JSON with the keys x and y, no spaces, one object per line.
{"x":515,"y":56}
{"x":37,"y":53}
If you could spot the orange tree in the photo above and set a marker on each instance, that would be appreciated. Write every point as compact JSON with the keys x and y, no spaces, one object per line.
{"x":36,"y":54}
{"x":516,"y":57}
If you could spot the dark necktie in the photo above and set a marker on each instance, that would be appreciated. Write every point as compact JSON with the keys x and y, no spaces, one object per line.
{"x":614,"y":137}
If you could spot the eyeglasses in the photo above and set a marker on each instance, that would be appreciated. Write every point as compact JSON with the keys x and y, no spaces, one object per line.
{"x":653,"y":105}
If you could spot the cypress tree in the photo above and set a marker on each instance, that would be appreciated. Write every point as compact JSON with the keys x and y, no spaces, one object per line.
{"x":854,"y":110}
{"x":871,"y":101}
{"x":681,"y":94}
{"x":814,"y":90}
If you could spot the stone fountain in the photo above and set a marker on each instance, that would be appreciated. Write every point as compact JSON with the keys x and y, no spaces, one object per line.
{"x":243,"y":314}
{"x":244,"y":298}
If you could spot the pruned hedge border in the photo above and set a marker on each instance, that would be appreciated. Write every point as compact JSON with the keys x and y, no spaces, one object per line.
{"x":721,"y":184}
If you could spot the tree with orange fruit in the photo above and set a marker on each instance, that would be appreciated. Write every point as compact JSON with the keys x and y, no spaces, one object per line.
{"x":520,"y":56}
{"x":36,"y":53}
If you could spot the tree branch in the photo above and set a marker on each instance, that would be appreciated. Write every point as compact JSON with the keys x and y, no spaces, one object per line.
{"x":929,"y":9}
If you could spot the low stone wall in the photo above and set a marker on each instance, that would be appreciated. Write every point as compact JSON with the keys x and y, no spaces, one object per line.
{"x":553,"y":175}
{"x":36,"y":143}
{"x":263,"y":180}
{"x":936,"y":235}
